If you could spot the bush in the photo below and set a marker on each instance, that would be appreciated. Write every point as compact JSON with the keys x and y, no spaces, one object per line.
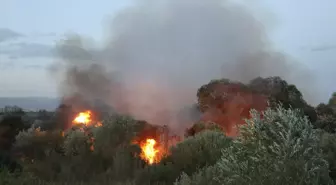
{"x":113,"y":143}
{"x":201,"y":126}
{"x":281,"y":148}
{"x":328,"y":144}
{"x":7,"y":178}
{"x":278,"y":147}
{"x":195,"y":152}
{"x":83,"y":153}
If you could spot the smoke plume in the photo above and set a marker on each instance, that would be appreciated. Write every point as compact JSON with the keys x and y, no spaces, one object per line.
{"x":159,"y":53}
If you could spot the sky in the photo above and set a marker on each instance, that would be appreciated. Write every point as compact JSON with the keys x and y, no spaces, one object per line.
{"x":304,"y":29}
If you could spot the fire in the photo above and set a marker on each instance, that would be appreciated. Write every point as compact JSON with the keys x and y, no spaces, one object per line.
{"x":99,"y":124}
{"x":83,"y":118}
{"x":149,"y":152}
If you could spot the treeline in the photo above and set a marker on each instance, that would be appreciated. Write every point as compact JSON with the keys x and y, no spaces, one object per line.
{"x":283,"y":140}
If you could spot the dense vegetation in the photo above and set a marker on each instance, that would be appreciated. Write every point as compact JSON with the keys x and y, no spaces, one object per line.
{"x":289,"y":142}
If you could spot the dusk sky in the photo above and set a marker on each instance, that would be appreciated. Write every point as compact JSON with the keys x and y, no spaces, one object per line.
{"x":304,"y":29}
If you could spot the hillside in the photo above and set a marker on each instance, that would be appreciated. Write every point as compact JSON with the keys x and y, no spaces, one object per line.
{"x":31,"y":103}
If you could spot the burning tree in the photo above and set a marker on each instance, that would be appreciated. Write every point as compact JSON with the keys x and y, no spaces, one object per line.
{"x":149,"y":151}
{"x":147,"y":138}
{"x":227,"y":102}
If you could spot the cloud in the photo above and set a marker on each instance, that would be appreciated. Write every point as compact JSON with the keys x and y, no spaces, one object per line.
{"x":7,"y":65}
{"x":35,"y":66}
{"x":8,"y":62}
{"x":39,"y":45}
{"x":7,"y":34}
{"x":27,"y":50}
{"x":323,"y":48}
{"x":15,"y":45}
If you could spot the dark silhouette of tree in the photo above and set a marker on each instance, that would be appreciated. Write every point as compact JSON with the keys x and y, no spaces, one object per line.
{"x":279,"y":91}
{"x":63,"y":117}
{"x":43,"y":115}
{"x":11,"y":124}
{"x":327,"y":115}
{"x":7,"y":162}
{"x":332,"y":101}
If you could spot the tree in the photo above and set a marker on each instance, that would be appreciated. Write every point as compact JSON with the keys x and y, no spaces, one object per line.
{"x":63,"y":117}
{"x":279,"y":91}
{"x":326,"y":118}
{"x":11,"y":123}
{"x":10,"y":126}
{"x":199,"y":127}
{"x":328,"y":144}
{"x":280,"y":148}
{"x":332,"y":101}
{"x":227,"y":103}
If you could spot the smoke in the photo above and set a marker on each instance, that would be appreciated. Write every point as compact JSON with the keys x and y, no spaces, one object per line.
{"x":159,"y":53}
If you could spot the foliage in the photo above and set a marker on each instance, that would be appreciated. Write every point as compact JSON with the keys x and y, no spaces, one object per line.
{"x":113,"y":143}
{"x":328,"y":144}
{"x":8,"y":162}
{"x":82,"y":153}
{"x":227,"y":102}
{"x":326,"y":117}
{"x":40,"y":151}
{"x":280,"y":92}
{"x":36,"y":144}
{"x":332,"y":101}
{"x":281,"y":148}
{"x":201,"y":126}
{"x":217,"y":93}
{"x":195,"y":152}
{"x":10,"y":126}
{"x":7,"y":178}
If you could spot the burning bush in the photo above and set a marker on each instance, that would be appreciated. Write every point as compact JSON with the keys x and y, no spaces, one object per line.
{"x":119,"y":146}
{"x":195,"y":152}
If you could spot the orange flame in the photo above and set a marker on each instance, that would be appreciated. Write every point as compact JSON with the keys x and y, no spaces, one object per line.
{"x":99,"y":124}
{"x":149,"y":153}
{"x":83,"y":118}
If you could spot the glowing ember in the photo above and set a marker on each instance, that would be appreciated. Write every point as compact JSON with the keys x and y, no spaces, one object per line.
{"x":149,"y":153}
{"x":83,"y":118}
{"x":99,"y":124}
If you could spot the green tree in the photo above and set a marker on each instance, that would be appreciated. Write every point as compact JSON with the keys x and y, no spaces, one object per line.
{"x":328,"y":144}
{"x":326,"y":118}
{"x":281,"y":148}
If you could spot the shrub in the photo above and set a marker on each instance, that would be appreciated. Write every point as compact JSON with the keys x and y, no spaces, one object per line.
{"x":280,"y":148}
{"x":195,"y":152}
{"x":82,"y":153}
{"x":328,"y":144}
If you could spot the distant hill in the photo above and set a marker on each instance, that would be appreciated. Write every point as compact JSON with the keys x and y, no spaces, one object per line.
{"x":31,"y":103}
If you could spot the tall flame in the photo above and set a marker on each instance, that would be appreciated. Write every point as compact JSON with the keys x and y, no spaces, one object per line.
{"x":83,"y":118}
{"x":149,"y":153}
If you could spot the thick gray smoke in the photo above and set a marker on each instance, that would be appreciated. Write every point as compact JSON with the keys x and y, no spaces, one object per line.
{"x":159,"y":53}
